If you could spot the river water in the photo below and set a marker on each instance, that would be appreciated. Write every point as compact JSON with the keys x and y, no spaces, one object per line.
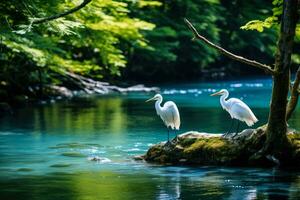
{"x":45,"y":149}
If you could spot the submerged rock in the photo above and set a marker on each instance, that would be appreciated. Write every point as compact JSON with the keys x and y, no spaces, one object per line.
{"x":61,"y":165}
{"x":73,"y":145}
{"x":194,"y":148}
{"x":25,"y":170}
{"x":73,"y":154}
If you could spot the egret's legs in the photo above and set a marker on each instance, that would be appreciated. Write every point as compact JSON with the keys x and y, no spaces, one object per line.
{"x":168,"y":135}
{"x":229,"y":128}
{"x":176,"y":133}
{"x":237,"y":129}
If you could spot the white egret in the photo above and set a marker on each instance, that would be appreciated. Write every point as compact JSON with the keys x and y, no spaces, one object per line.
{"x":168,"y":112}
{"x":236,"y":108}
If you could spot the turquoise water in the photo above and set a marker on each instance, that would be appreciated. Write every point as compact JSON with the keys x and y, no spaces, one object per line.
{"x":45,"y":149}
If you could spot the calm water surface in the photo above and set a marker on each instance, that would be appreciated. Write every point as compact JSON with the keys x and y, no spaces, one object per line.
{"x":45,"y":149}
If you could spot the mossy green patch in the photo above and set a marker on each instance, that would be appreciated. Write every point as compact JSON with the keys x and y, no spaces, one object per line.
{"x":213,"y":143}
{"x":187,"y":142}
{"x":213,"y":150}
{"x":295,"y":143}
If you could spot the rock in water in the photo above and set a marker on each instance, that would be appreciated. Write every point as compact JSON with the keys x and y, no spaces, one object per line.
{"x":194,"y":148}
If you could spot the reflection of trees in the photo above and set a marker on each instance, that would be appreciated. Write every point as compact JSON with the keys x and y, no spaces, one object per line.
{"x":231,"y":185}
{"x":177,"y":186}
{"x":87,"y":116}
{"x":282,"y":186}
{"x":36,"y":187}
{"x":85,"y":185}
{"x":109,"y":185}
{"x":113,"y":185}
{"x":295,"y":188}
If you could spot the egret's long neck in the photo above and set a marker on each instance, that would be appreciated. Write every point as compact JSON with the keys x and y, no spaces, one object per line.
{"x":158,"y":108}
{"x":223,"y":100}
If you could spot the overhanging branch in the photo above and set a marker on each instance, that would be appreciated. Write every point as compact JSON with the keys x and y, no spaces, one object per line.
{"x":59,"y":15}
{"x":233,"y":56}
{"x":294,"y":96}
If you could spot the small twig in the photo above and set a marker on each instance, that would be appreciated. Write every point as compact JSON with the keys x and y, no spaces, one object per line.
{"x":59,"y":15}
{"x":8,"y":24}
{"x":233,"y":56}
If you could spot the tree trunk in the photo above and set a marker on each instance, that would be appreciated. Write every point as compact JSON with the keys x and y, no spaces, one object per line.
{"x":277,"y":125}
{"x":294,"y":90}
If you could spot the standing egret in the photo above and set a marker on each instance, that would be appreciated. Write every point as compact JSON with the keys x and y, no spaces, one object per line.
{"x":168,"y":112}
{"x":236,"y":108}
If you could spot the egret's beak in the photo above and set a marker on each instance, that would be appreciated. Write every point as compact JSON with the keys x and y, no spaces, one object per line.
{"x":217,"y":93}
{"x":151,"y":99}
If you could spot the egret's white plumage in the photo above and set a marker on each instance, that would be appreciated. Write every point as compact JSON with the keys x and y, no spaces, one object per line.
{"x":236,"y":108}
{"x":168,"y":112}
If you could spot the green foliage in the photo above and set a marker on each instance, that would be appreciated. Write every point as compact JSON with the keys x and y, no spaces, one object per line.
{"x":273,"y":22}
{"x":148,"y":37}
{"x":89,"y":41}
{"x":172,"y":54}
{"x":260,"y":25}
{"x":171,"y":48}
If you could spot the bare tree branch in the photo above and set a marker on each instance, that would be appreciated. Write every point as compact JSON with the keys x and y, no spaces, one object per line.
{"x":294,"y":96}
{"x":59,"y":15}
{"x":233,"y":56}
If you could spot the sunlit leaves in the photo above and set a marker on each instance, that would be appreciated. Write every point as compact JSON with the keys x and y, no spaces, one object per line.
{"x":296,"y":58}
{"x":87,"y":42}
{"x":260,"y":25}
{"x":273,"y":22}
{"x":84,"y":67}
{"x":64,"y":27}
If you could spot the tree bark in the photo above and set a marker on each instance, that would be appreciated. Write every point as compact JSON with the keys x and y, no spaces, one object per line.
{"x":294,"y":96}
{"x":277,"y":125}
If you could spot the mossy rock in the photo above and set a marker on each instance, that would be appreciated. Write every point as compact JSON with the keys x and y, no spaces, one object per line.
{"x":194,"y":148}
{"x":295,"y":141}
{"x":211,"y":150}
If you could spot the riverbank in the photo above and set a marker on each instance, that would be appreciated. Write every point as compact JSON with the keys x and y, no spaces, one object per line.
{"x":76,"y":86}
